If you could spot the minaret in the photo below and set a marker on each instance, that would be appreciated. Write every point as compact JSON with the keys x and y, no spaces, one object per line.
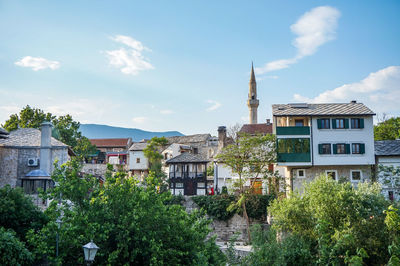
{"x":252,"y":101}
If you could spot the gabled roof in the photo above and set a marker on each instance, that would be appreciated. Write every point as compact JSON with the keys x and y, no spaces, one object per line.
{"x":387,"y":147}
{"x":3,"y":133}
{"x":322,"y":109}
{"x":187,"y":158}
{"x":257,"y":128}
{"x":27,"y":137}
{"x":117,"y":143}
{"x":138,"y":146}
{"x":189,"y":139}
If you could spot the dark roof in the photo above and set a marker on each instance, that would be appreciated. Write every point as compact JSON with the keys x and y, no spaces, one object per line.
{"x":387,"y":147}
{"x":27,"y":137}
{"x":257,"y":128}
{"x":37,"y":174}
{"x":138,"y":146}
{"x":3,"y":133}
{"x":120,"y":143}
{"x":189,"y":139}
{"x":323,"y":109}
{"x":187,"y":158}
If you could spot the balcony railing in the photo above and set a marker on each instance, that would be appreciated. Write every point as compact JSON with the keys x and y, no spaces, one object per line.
{"x":187,"y":175}
{"x":292,"y":130}
{"x":294,"y":157}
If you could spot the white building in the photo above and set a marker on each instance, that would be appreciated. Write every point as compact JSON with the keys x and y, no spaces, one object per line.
{"x":387,"y":153}
{"x":333,"y":139}
{"x":138,"y":164}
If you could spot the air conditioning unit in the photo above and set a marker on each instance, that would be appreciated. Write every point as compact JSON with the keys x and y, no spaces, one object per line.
{"x":33,"y":161}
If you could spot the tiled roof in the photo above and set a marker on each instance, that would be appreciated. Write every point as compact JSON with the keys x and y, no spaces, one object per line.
{"x":120,"y":143}
{"x":138,"y":146}
{"x":27,"y":137}
{"x":187,"y":158}
{"x":257,"y":128}
{"x":323,"y":109}
{"x":3,"y":133}
{"x":189,"y":139}
{"x":387,"y":147}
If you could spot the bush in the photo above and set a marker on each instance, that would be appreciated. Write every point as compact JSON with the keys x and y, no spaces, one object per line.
{"x":175,"y":199}
{"x":256,"y":206}
{"x":12,"y":250}
{"x":216,"y":206}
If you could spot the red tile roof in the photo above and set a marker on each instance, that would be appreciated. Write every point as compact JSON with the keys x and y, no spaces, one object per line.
{"x":110,"y":142}
{"x":257,"y":128}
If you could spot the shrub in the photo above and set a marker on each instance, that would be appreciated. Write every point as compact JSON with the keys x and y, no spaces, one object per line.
{"x":12,"y":250}
{"x":216,"y":206}
{"x":256,"y":206}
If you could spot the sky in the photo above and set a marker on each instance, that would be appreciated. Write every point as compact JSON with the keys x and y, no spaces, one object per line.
{"x":185,"y":65}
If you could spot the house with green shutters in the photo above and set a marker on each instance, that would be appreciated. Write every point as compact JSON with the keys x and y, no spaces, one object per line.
{"x":336,"y":139}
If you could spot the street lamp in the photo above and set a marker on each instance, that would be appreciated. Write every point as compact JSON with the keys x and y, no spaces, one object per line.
{"x":89,"y":251}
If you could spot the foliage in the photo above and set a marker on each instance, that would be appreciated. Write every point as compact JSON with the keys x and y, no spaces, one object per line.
{"x":176,"y":199}
{"x":12,"y":250}
{"x":65,"y":128}
{"x":346,"y":224}
{"x":17,"y":212}
{"x":256,"y":206}
{"x":389,"y":176}
{"x":210,"y":170}
{"x":388,"y":129}
{"x":131,"y":224}
{"x":153,"y":154}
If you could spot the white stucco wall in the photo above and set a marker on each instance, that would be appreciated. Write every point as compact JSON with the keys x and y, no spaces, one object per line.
{"x":348,"y":136}
{"x":133,"y":165}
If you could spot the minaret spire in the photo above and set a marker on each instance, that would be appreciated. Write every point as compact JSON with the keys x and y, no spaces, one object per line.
{"x":252,"y":101}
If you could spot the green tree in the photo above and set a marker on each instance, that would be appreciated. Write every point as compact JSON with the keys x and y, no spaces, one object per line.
{"x":17,"y":212}
{"x":132,"y":224}
{"x":249,"y":157}
{"x":153,"y":152}
{"x":12,"y":250}
{"x":344,"y":223}
{"x":28,"y":117}
{"x":388,"y":129}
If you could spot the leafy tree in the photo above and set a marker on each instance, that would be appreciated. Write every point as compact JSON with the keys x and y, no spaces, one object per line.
{"x":65,"y":128}
{"x":388,"y":129}
{"x":346,"y":224}
{"x":249,"y":158}
{"x":153,"y":154}
{"x":17,"y":212}
{"x":12,"y":250}
{"x":131,"y":224}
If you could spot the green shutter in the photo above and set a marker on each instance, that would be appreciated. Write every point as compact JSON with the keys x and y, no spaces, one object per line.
{"x":347,"y":148}
{"x":362,"y":148}
{"x":320,"y":148}
{"x":334,"y":147}
{"x":333,"y":123}
{"x":361,"y":122}
{"x":346,"y":123}
{"x":319,"y":122}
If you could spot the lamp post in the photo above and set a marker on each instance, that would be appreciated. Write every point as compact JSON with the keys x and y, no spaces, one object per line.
{"x":90,"y":250}
{"x":58,"y":221}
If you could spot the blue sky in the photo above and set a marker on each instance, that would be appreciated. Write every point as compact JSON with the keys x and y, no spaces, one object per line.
{"x":185,"y":65}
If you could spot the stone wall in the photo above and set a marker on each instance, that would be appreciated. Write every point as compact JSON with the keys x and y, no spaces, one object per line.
{"x":95,"y":169}
{"x":8,"y":167}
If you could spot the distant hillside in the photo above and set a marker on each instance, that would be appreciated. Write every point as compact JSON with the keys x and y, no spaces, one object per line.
{"x":93,"y":131}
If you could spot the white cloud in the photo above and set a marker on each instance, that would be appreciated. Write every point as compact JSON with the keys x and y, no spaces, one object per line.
{"x":130,"y":60}
{"x":379,"y":90}
{"x":166,"y":112}
{"x":37,"y":63}
{"x":139,"y":119}
{"x":313,"y":29}
{"x":214,"y":105}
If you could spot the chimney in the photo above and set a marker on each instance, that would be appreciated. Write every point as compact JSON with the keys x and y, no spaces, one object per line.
{"x":221,"y":136}
{"x":268,"y":122}
{"x":45,"y":147}
{"x":353,"y":101}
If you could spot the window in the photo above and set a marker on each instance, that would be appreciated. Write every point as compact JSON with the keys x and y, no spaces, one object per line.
{"x":195,"y":150}
{"x":323,"y":123}
{"x":298,"y":145}
{"x":178,"y":185}
{"x":201,"y":185}
{"x":324,"y":148}
{"x":299,"y":122}
{"x":358,"y":148}
{"x":340,"y":148}
{"x":301,"y":173}
{"x":166,"y":156}
{"x":137,"y":160}
{"x":391,"y":195}
{"x":355,"y":175}
{"x":357,"y":123}
{"x":340,"y":123}
{"x":332,"y":174}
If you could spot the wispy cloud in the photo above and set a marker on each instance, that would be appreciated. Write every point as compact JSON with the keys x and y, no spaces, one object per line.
{"x":139,"y":119}
{"x":313,"y":29}
{"x":214,"y":105}
{"x":37,"y":63}
{"x":166,"y":112}
{"x":379,"y":90}
{"x":129,"y":60}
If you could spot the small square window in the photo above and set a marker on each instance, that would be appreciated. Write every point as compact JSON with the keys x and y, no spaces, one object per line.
{"x":301,"y":173}
{"x":340,"y":123}
{"x":178,"y":185}
{"x":356,"y":123}
{"x":137,"y":160}
{"x":201,"y":185}
{"x":355,"y":175}
{"x":325,"y":123}
{"x":340,"y":148}
{"x":331,"y":174}
{"x":299,"y":122}
{"x":326,"y":148}
{"x":355,"y":147}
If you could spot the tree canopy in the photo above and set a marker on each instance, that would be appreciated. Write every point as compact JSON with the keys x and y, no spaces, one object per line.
{"x":388,"y":129}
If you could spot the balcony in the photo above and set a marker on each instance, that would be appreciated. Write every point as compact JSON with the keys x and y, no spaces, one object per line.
{"x":187,"y":175}
{"x":294,"y":157}
{"x":294,"y":130}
